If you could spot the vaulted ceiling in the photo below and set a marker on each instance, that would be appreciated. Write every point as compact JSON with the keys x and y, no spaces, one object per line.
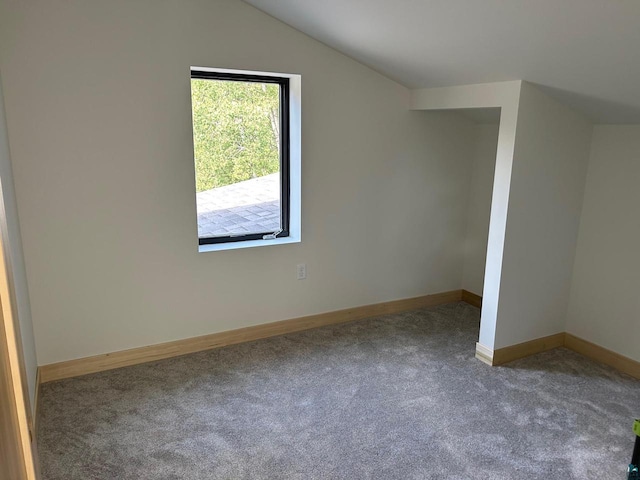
{"x":584,"y":52}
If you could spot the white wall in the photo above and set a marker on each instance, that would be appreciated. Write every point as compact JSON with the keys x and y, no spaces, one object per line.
{"x":547,"y":184}
{"x":14,"y":257}
{"x":604,"y":306}
{"x":479,"y":208}
{"x":98,"y":106}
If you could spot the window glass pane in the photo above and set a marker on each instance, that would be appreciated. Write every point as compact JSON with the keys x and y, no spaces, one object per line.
{"x":236,"y":129}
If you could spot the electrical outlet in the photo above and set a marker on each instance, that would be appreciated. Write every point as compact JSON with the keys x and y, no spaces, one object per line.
{"x":302,"y":271}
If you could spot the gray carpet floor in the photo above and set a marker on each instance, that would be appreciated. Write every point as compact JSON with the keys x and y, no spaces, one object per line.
{"x":394,"y":397}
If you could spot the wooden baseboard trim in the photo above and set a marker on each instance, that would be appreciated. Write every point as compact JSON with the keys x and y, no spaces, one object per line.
{"x":590,"y":350}
{"x":109,"y":361}
{"x":99,"y":363}
{"x":472,"y":298}
{"x":603,"y":355}
{"x":525,"y":349}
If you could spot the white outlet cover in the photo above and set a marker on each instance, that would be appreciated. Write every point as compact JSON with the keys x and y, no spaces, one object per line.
{"x":302,"y":271}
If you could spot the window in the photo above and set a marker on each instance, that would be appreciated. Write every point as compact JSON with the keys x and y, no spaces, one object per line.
{"x":242,"y":153}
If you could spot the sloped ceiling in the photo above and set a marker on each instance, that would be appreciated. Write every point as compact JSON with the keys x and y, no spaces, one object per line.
{"x":584,"y":52}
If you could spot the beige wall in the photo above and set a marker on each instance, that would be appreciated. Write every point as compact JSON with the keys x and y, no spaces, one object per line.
{"x":604,"y":306}
{"x":479,"y":209}
{"x":98,"y":108}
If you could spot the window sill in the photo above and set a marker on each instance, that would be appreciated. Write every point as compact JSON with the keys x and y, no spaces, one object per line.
{"x":218,"y":247}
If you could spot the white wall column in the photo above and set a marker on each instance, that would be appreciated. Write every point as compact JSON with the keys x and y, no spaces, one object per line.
{"x":506,"y":96}
{"x":541,"y":164}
